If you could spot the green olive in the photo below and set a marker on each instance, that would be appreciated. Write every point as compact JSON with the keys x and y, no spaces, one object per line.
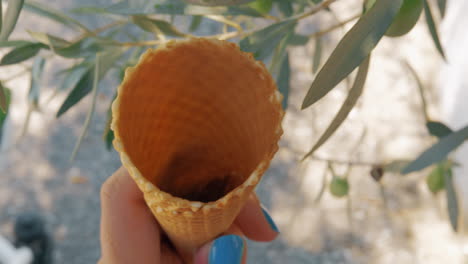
{"x":435,"y":180}
{"x":339,"y":187}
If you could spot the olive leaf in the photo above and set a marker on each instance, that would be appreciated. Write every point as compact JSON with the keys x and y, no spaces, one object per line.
{"x":176,"y":7}
{"x":47,"y":11}
{"x":73,"y":75}
{"x":452,"y":201}
{"x":85,"y":84}
{"x":433,"y":28}
{"x":353,"y":96}
{"x":108,"y":134}
{"x":279,"y":53}
{"x":196,"y":22}
{"x":21,"y":53}
{"x":438,"y":129}
{"x":11,"y":17}
{"x":298,"y":40}
{"x":80,"y":48}
{"x":4,"y":114}
{"x":285,"y":7}
{"x":262,"y":6}
{"x":97,"y":75}
{"x":49,"y":40}
{"x":442,"y":4}
{"x":3,"y":98}
{"x":81,"y":89}
{"x":262,"y":42}
{"x":156,"y":26}
{"x":34,"y":88}
{"x":168,"y":7}
{"x":438,"y":151}
{"x":396,"y":166}
{"x":317,"y":58}
{"x":283,"y":80}
{"x":353,"y":48}
{"x":421,"y":90}
{"x":1,"y":16}
{"x":123,"y":8}
{"x":14,"y":43}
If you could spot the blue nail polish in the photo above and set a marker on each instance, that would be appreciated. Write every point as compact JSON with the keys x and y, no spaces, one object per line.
{"x":270,"y":220}
{"x":227,"y":250}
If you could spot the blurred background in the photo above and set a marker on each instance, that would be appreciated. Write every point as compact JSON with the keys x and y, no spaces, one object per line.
{"x":396,"y":220}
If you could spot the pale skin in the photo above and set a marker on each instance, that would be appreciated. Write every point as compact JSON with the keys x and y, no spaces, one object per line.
{"x":131,"y":234}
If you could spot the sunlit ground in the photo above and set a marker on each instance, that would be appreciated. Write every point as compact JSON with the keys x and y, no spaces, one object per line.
{"x":399,"y":221}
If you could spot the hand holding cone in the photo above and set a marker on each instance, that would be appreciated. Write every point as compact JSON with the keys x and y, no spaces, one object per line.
{"x":196,"y":124}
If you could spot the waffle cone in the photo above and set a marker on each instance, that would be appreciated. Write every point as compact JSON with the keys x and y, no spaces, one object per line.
{"x":196,"y":124}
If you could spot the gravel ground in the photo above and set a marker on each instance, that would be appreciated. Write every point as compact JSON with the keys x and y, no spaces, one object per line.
{"x":411,"y":227}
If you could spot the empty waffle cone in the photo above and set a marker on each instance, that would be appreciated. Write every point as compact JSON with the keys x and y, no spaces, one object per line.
{"x":196,"y":124}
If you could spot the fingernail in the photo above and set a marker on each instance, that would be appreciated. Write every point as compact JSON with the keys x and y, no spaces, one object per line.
{"x":270,"y":220}
{"x":227,"y":250}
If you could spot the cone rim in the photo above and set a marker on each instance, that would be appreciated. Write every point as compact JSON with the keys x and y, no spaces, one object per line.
{"x":146,"y":186}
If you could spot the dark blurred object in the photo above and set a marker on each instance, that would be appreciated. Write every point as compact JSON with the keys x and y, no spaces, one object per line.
{"x":377,"y":173}
{"x":30,"y":231}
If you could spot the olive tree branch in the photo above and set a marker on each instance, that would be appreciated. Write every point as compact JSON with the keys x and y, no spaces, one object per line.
{"x":330,"y":29}
{"x":314,"y":10}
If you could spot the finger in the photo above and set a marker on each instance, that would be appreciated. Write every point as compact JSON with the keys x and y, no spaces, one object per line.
{"x":168,"y":252}
{"x":231,"y":248}
{"x":255,"y":221}
{"x":236,"y":230}
{"x":169,"y":256}
{"x":129,"y":232}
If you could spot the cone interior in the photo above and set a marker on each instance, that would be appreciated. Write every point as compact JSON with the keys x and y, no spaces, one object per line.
{"x":196,"y":119}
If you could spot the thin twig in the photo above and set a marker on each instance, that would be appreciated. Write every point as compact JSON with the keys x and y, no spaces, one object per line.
{"x":226,"y":22}
{"x":225,"y":36}
{"x":348,"y":171}
{"x":160,"y":35}
{"x":337,"y":161}
{"x":268,"y":16}
{"x":335,"y":16}
{"x":328,"y":30}
{"x":91,"y":110}
{"x":331,"y":169}
{"x":139,"y":43}
{"x":230,"y":35}
{"x":323,"y":186}
{"x":421,"y":91}
{"x":348,"y":162}
{"x":98,"y":30}
{"x":314,"y":10}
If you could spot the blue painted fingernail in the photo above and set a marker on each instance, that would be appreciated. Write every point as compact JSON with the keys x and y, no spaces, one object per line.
{"x":227,"y":250}
{"x":270,"y":220}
